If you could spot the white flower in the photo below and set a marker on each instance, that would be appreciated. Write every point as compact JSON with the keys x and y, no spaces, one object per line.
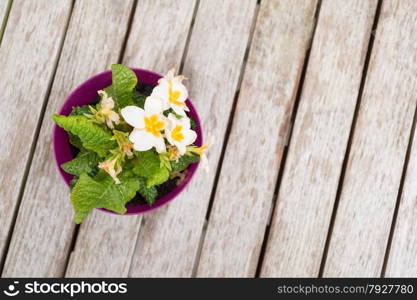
{"x":106,"y":110}
{"x":179,"y":134}
{"x":147,"y":124}
{"x":109,"y":167}
{"x":172,"y":93}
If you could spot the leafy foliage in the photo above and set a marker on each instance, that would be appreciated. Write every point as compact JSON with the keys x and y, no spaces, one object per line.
{"x":93,"y":136}
{"x":124,"y":81}
{"x":147,"y":164}
{"x":85,"y":162}
{"x":78,"y":111}
{"x":102,"y":192}
{"x":193,"y":124}
{"x":149,"y":194}
{"x":139,"y":99}
{"x":183,"y":162}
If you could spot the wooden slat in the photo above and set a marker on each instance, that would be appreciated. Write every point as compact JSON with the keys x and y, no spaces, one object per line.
{"x":169,"y":238}
{"x":402,"y":261}
{"x":157,"y":40}
{"x":45,"y":225}
{"x":3,"y":7}
{"x":319,"y":140}
{"x":246,"y":185}
{"x":27,"y":55}
{"x":379,"y":146}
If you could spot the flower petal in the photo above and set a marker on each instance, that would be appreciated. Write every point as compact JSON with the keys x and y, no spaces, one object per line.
{"x":170,"y":74}
{"x":142,"y":140}
{"x":178,"y":109}
{"x":161,"y":90}
{"x":168,"y":135}
{"x":153,"y":105}
{"x":113,"y":116}
{"x":189,"y":137}
{"x":133,"y":115}
{"x":181,"y":148}
{"x":185,"y":122}
{"x":160,"y":145}
{"x":178,"y":86}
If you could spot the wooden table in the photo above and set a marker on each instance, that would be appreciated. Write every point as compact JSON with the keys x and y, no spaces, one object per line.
{"x":312,"y":103}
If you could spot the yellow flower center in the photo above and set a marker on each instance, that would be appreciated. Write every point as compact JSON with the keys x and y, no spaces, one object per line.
{"x":154,"y":125}
{"x":177,"y":133}
{"x":173,"y":96}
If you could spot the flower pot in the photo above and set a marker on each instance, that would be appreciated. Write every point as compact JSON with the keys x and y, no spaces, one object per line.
{"x":85,"y":94}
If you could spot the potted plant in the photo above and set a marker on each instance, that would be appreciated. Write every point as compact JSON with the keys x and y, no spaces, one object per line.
{"x":127,"y":141}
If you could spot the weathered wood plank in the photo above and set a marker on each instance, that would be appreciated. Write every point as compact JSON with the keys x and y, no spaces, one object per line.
{"x":246,"y":185}
{"x":3,"y":5}
{"x":402,"y":261}
{"x":3,"y":9}
{"x":319,"y":140}
{"x":44,"y":227}
{"x":157,"y":40}
{"x":169,"y":238}
{"x":29,"y":49}
{"x":378,"y":149}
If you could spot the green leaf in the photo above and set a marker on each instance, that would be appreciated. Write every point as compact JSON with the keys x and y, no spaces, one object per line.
{"x":149,"y":194}
{"x":183,"y":162}
{"x":75,"y":140}
{"x":139,"y":99}
{"x":171,"y":111}
{"x":102,"y":192}
{"x":93,"y":136}
{"x":85,"y":162}
{"x":78,"y":111}
{"x":193,"y":123}
{"x":124,"y":81}
{"x":73,"y":182}
{"x":148,"y":165}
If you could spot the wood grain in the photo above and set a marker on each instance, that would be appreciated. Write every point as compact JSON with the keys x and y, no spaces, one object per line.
{"x":157,"y":40}
{"x":379,"y":147}
{"x":3,"y":5}
{"x":3,"y":10}
{"x":402,"y":261}
{"x":29,"y":49}
{"x":319,"y":139}
{"x":246,"y":185}
{"x":169,"y":238}
{"x":44,"y":227}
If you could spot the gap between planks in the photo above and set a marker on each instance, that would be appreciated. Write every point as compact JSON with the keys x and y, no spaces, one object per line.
{"x":351,"y":135}
{"x":135,"y":55}
{"x":288,"y":140}
{"x":36,"y":133}
{"x":5,"y":17}
{"x":187,"y":270}
{"x":379,"y":148}
{"x":226,"y":138}
{"x":400,"y":191}
{"x":119,"y":60}
{"x":181,"y":66}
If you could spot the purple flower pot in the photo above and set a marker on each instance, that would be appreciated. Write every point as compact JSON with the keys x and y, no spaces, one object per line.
{"x":85,"y":94}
